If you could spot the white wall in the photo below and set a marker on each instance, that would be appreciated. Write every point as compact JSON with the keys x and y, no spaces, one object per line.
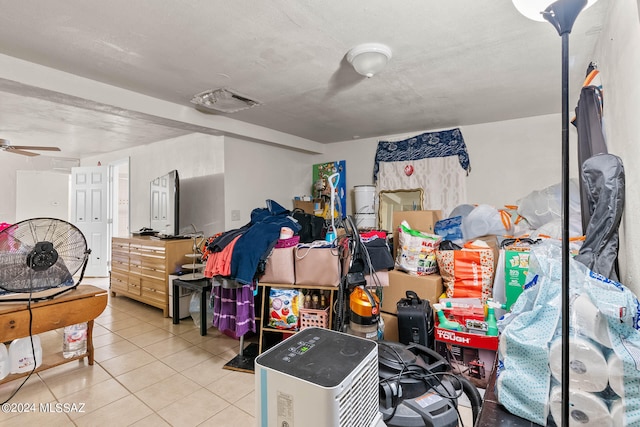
{"x":249,"y":173}
{"x":509,"y":159}
{"x":195,"y":155}
{"x":255,"y":172}
{"x":618,"y":57}
{"x":9,"y":164}
{"x":42,"y":194}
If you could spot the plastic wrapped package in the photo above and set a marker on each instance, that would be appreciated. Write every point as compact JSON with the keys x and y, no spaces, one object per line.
{"x":417,"y":251}
{"x":284,"y":308}
{"x":194,"y":309}
{"x":604,"y":346}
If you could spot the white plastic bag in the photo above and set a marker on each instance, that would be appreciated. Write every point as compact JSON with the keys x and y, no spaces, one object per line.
{"x":194,"y":308}
{"x":486,"y":220}
{"x":543,"y":206}
{"x":417,"y":251}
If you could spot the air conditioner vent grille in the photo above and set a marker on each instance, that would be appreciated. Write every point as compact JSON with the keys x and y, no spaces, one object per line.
{"x":224,"y":100}
{"x":358,"y":404}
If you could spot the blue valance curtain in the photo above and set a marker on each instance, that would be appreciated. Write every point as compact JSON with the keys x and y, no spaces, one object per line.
{"x":430,"y":144}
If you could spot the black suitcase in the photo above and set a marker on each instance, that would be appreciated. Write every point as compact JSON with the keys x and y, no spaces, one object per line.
{"x":415,"y":320}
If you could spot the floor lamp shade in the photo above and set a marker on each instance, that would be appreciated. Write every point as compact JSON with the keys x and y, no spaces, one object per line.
{"x":533,"y":9}
{"x":562,"y":15}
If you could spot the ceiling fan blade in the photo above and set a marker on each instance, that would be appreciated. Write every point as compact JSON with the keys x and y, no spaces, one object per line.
{"x":22,"y":152}
{"x":34,"y":147}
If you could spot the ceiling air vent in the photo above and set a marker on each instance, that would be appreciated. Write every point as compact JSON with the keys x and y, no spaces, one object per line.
{"x":224,"y":100}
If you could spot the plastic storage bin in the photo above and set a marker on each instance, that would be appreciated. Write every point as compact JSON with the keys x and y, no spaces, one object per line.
{"x":310,"y":317}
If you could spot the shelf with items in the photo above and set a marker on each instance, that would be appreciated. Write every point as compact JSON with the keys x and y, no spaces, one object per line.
{"x":266,"y":342}
{"x":19,"y":320}
{"x":195,"y":266}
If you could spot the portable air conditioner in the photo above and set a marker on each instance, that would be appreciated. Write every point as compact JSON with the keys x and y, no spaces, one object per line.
{"x":318,"y":377}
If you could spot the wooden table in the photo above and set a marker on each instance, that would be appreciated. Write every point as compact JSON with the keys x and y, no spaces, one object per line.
{"x":80,"y":305}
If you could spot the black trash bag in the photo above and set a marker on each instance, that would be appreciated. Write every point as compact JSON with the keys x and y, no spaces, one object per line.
{"x":604,"y":180}
{"x":313,"y":226}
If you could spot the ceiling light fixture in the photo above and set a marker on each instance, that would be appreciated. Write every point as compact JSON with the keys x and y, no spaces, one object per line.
{"x":369,"y":59}
{"x":224,"y":100}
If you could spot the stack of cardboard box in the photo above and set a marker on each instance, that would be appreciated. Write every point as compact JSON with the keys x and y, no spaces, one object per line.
{"x":471,"y":354}
{"x":426,"y":287}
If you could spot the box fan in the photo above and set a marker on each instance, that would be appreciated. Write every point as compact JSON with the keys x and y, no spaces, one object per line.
{"x":40,"y":255}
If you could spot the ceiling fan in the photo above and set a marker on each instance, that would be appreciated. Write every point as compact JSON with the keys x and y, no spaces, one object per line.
{"x":5,"y":145}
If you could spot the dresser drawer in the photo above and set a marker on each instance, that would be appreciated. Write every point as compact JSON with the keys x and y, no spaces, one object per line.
{"x":147,"y":250}
{"x":119,"y":282}
{"x":133,"y":285}
{"x":154,"y":290}
{"x":118,"y":264}
{"x":147,"y":261}
{"x":144,"y":271}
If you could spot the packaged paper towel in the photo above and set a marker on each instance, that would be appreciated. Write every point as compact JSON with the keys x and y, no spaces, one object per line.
{"x":586,"y":409}
{"x":604,"y":345}
{"x":587,"y":364}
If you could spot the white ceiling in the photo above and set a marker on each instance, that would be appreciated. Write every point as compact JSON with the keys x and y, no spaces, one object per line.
{"x":455,"y":63}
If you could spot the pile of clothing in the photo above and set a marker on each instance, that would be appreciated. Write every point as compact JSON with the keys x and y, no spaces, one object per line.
{"x":233,"y":261}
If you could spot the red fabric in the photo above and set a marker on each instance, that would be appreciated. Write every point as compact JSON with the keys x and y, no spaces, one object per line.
{"x":373,"y":234}
{"x":205,"y":246}
{"x":287,"y":243}
{"x":219,"y":263}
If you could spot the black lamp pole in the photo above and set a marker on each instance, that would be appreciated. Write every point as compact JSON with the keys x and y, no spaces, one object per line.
{"x":562,"y":14}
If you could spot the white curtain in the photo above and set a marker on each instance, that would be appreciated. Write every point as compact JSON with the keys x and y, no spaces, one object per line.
{"x":442,"y":180}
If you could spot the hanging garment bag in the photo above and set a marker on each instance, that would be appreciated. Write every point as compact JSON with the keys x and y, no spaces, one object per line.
{"x":415,"y":320}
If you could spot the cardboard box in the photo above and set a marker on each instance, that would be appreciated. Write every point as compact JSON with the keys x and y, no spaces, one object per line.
{"x":418,"y":220}
{"x":427,"y":287}
{"x":471,"y":355}
{"x":390,"y":327}
{"x":309,"y":207}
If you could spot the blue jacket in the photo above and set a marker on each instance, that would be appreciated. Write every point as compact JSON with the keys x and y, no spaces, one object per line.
{"x":261,"y":235}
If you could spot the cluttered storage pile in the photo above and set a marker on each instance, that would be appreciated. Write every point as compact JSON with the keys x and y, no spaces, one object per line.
{"x":501,"y":270}
{"x":232,"y":261}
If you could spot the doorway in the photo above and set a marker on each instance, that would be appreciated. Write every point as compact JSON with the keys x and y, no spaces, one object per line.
{"x":119,"y":212}
{"x":119,"y":198}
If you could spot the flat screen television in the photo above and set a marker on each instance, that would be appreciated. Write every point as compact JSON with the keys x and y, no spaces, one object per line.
{"x":165,"y":203}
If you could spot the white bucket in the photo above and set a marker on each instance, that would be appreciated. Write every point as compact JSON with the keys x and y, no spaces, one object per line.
{"x":21,"y":354}
{"x":5,"y":361}
{"x":365,"y":199}
{"x":365,"y":220}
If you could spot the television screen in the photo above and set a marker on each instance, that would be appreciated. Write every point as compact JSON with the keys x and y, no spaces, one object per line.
{"x":165,"y":203}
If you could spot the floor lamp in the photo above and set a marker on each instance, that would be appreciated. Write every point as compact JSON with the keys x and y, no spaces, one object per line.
{"x":562,"y":15}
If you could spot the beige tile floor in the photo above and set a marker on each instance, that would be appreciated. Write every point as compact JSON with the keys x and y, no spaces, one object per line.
{"x":147,"y":372}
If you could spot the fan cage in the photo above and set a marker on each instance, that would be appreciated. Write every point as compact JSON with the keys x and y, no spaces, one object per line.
{"x":23,"y":265}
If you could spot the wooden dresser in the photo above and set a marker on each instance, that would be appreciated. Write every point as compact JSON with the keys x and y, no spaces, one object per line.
{"x":140,"y":268}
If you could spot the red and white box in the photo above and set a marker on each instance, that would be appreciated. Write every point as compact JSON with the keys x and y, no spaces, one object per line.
{"x":469,"y":354}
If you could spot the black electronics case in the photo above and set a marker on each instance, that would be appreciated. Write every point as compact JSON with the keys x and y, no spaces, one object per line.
{"x":415,"y":320}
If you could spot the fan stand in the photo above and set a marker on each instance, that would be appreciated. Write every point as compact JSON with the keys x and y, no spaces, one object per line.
{"x":244,"y":361}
